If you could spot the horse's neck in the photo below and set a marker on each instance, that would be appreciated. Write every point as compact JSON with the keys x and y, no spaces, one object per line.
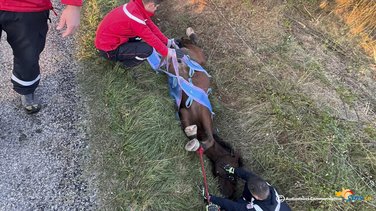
{"x":195,"y":53}
{"x":216,"y":152}
{"x":208,"y":143}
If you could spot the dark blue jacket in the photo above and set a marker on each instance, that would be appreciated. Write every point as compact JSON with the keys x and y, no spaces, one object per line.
{"x":248,"y":202}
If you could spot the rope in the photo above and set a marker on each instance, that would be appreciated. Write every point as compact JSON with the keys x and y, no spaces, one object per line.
{"x":200,"y":152}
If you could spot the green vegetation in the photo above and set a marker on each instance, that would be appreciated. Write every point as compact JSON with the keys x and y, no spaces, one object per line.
{"x":281,"y":97}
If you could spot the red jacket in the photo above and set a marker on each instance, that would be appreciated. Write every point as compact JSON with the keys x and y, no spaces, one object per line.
{"x":127,"y":21}
{"x":32,"y":5}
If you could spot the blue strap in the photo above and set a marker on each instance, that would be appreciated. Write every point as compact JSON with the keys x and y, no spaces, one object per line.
{"x":194,"y":66}
{"x":193,"y":92}
{"x":154,"y":60}
{"x":196,"y":93}
{"x":189,"y":101}
{"x":175,"y":91}
{"x":209,"y":91}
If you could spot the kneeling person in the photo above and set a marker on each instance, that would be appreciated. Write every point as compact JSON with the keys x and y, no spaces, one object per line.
{"x":128,"y":35}
{"x":257,"y":195}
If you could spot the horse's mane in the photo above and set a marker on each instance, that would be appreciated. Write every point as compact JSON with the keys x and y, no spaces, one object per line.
{"x":228,"y":147}
{"x":224,"y":144}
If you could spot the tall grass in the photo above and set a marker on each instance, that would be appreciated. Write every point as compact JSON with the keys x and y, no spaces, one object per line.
{"x":360,"y":16}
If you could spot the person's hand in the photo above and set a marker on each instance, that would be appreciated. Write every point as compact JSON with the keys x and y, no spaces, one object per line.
{"x":174,"y":43}
{"x":229,"y":169}
{"x":202,"y":192}
{"x":69,"y":18}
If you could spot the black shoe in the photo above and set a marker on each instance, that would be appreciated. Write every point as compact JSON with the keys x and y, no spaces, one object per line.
{"x":30,"y":103}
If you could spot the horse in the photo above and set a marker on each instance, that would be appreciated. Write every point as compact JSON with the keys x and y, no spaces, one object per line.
{"x":197,"y":123}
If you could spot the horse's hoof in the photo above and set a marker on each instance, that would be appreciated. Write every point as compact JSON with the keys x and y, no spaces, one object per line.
{"x":192,"y":145}
{"x":191,"y":130}
{"x":189,"y":31}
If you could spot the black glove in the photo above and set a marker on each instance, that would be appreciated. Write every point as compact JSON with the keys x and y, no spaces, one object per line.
{"x":229,"y":169}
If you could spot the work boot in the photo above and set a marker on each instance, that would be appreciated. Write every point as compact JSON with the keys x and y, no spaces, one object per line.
{"x":30,"y":103}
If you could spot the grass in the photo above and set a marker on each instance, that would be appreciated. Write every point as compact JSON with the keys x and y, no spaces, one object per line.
{"x":360,"y":16}
{"x":280,"y":103}
{"x":144,"y":160}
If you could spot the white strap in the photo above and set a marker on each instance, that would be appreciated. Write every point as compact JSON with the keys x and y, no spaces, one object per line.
{"x":278,"y":201}
{"x":25,"y":83}
{"x":132,"y":16}
{"x":257,"y":208}
{"x":139,"y":58}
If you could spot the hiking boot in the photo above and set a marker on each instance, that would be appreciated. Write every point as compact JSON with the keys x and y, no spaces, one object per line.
{"x":30,"y":103}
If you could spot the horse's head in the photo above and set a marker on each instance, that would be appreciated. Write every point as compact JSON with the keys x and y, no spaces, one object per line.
{"x":221,"y":153}
{"x":191,"y":47}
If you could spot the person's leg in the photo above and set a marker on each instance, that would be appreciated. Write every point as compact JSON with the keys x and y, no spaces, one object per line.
{"x":26,"y":34}
{"x":133,"y":53}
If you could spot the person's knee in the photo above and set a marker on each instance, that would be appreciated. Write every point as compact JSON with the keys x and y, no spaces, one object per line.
{"x":147,"y":50}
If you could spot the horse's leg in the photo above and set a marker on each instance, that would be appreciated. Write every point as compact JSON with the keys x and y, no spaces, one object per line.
{"x":207,"y":124}
{"x":189,"y":129}
{"x":192,"y":35}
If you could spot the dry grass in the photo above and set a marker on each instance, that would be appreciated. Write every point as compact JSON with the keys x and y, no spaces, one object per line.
{"x":288,"y":93}
{"x":360,"y":16}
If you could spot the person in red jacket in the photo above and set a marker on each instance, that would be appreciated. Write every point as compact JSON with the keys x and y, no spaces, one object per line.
{"x":128,"y":35}
{"x":25,"y":23}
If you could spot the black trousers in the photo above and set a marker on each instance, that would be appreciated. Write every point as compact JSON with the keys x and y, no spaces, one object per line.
{"x":26,"y":34}
{"x":131,"y":53}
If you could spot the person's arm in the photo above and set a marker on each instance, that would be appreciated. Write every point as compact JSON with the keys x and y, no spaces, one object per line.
{"x":156,"y":31}
{"x":244,"y":174}
{"x":72,"y":2}
{"x":229,"y":205}
{"x":70,"y":17}
{"x":143,"y":31}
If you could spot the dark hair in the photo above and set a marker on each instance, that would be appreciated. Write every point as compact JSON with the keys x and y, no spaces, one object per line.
{"x":154,"y":1}
{"x":258,"y":187}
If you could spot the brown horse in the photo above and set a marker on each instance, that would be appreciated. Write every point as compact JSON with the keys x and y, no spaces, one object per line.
{"x":197,"y":123}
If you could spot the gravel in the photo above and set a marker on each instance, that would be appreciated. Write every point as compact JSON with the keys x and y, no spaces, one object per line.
{"x":44,"y":156}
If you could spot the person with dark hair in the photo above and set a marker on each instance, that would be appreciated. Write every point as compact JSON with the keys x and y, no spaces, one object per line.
{"x":128,"y":35}
{"x":257,"y":195}
{"x":25,"y":23}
